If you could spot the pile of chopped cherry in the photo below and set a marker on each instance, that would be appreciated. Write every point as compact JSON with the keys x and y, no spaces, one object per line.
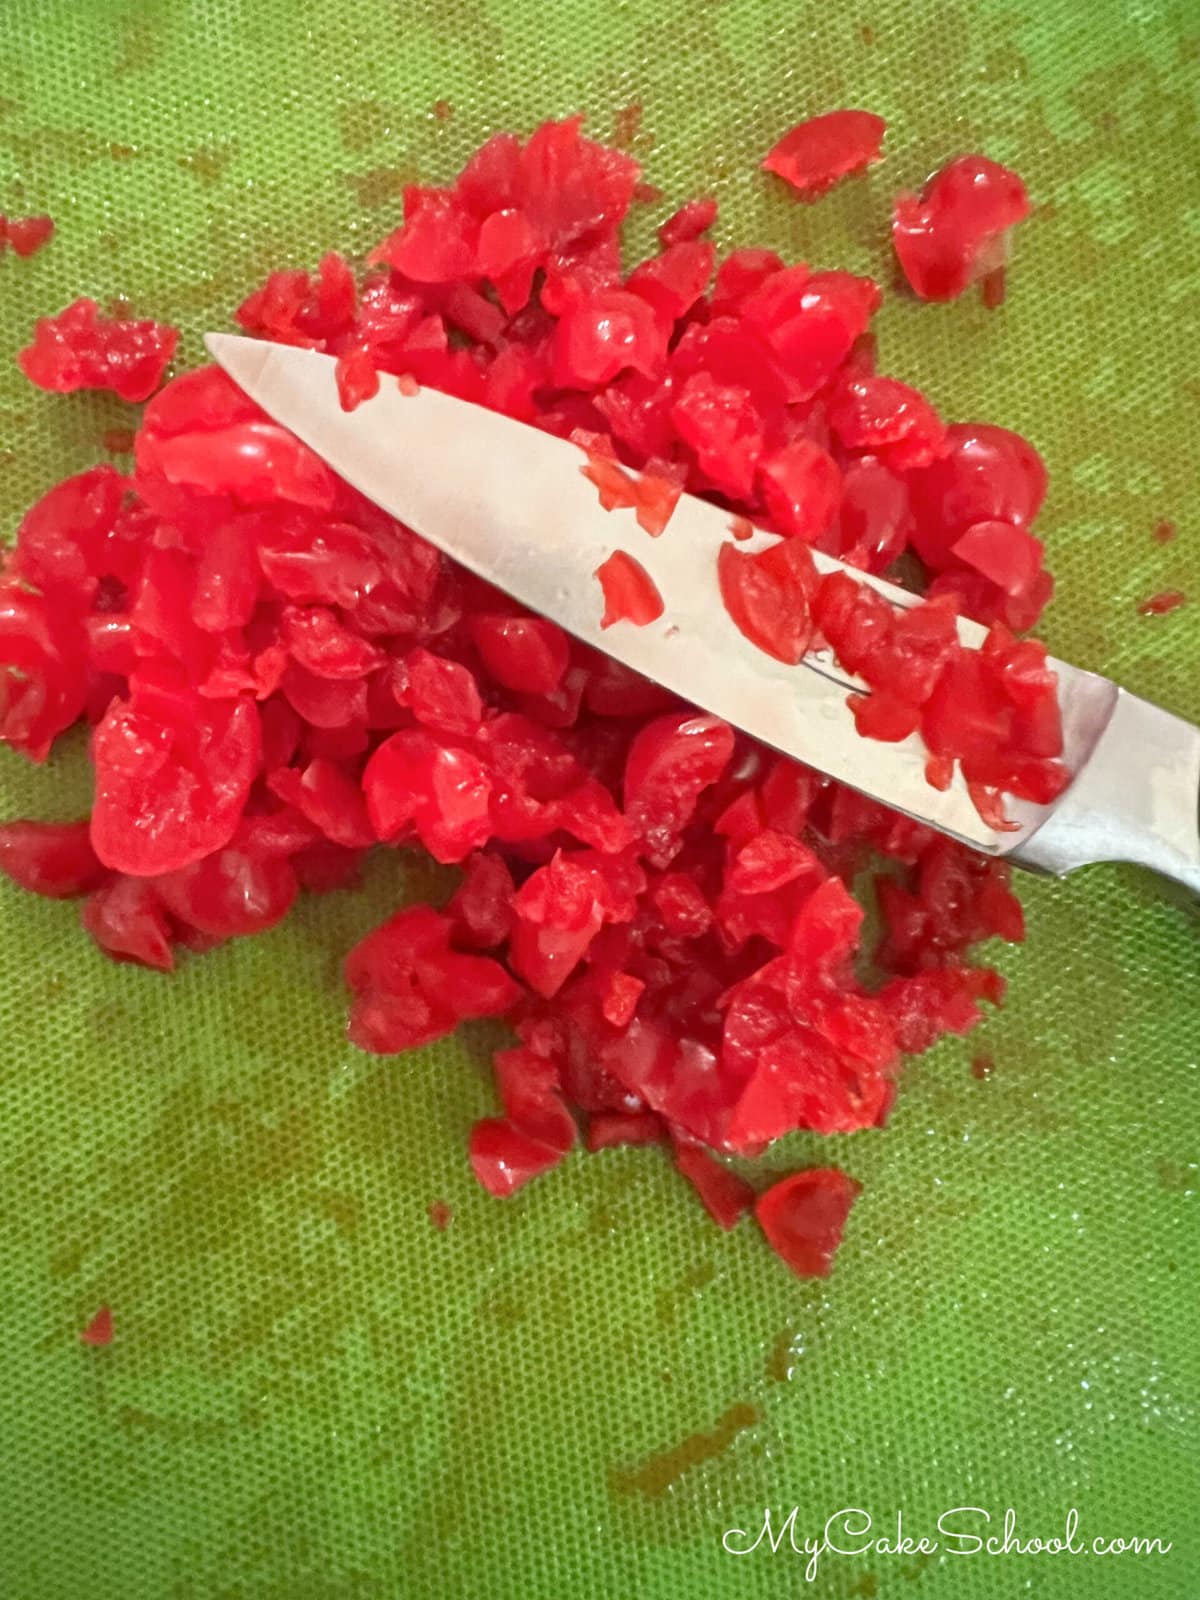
{"x":280,"y":677}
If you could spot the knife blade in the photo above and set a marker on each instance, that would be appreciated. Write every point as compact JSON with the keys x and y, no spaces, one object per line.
{"x":511,"y":503}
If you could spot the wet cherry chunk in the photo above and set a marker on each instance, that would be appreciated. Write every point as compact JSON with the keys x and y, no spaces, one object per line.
{"x":42,"y":682}
{"x":357,"y":377}
{"x":888,"y":417}
{"x":984,"y":474}
{"x":769,"y":596}
{"x":504,"y":1158}
{"x":673,"y":282}
{"x":630,"y":594}
{"x":27,"y":235}
{"x":956,"y":231}
{"x":441,"y":694}
{"x":874,"y":518}
{"x":802,"y":487}
{"x":67,"y":540}
{"x":329,"y":797}
{"x":816,"y":154}
{"x":232,"y":893}
{"x":725,"y":1195}
{"x":723,"y":428}
{"x":441,"y":791}
{"x":80,"y":349}
{"x":410,"y":986}
{"x":689,"y":222}
{"x":258,"y":463}
{"x":1009,"y":556}
{"x":600,"y":336}
{"x":671,"y":761}
{"x":527,"y":654}
{"x":617,"y":487}
{"x":481,"y":907}
{"x":50,"y":858}
{"x":658,"y":494}
{"x":172,"y":779}
{"x":803,"y":1217}
{"x":128,"y":920}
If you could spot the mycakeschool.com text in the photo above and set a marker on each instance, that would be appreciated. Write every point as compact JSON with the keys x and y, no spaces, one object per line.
{"x":959,"y":1531}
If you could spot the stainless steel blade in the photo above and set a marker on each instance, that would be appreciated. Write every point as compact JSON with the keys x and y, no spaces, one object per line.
{"x":511,"y":503}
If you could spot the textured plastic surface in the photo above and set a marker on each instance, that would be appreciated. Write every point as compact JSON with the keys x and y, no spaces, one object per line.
{"x":314,"y":1394}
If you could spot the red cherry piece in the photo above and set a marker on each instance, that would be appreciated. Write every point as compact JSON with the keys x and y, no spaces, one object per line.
{"x":630,"y":594}
{"x":1009,"y":556}
{"x":28,"y":235}
{"x":818,"y":153}
{"x":802,"y":487}
{"x":80,"y":349}
{"x":48,"y":858}
{"x":803,"y":1217}
{"x":957,"y":230}
{"x":1160,"y":604}
{"x":725,"y":1195}
{"x":357,"y":377}
{"x":769,"y":595}
{"x":171,"y":780}
{"x":689,"y":222}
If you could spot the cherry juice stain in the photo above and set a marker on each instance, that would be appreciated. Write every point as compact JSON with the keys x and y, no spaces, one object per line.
{"x":660,"y":1472}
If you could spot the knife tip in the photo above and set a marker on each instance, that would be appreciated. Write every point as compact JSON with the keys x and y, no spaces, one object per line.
{"x":243,"y":359}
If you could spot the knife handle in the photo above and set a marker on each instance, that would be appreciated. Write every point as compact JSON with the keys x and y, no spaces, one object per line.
{"x":1136,"y":798}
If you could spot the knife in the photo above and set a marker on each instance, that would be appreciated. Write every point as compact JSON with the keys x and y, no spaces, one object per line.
{"x":510,"y":502}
